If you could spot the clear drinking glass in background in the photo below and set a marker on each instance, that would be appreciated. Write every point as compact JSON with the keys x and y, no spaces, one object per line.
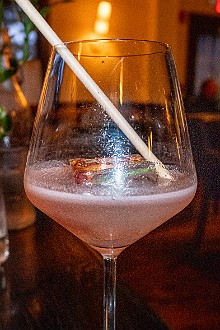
{"x":83,"y":170}
{"x":5,"y":306}
{"x":16,"y":121}
{"x":20,"y":212}
{"x":4,"y":242}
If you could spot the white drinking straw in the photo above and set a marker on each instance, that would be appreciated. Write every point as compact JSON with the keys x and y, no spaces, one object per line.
{"x":93,"y":88}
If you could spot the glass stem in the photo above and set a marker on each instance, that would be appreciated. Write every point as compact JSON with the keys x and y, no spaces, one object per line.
{"x":109,"y":297}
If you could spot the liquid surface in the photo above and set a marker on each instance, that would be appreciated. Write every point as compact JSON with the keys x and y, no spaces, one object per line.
{"x":110,"y":209}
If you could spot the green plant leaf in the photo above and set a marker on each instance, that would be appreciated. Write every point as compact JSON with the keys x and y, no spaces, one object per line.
{"x":5,"y":122}
{"x":7,"y":73}
{"x":28,"y":28}
{"x":44,"y":11}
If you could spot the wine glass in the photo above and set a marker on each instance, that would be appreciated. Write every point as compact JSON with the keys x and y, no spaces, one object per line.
{"x":84,"y":172}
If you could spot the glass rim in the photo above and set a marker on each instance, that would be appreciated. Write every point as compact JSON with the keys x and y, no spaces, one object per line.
{"x":162,"y":46}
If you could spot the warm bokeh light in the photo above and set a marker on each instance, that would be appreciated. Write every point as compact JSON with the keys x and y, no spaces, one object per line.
{"x":103,"y":16}
{"x":101,"y":26}
{"x":104,"y":10}
{"x":217,"y":7}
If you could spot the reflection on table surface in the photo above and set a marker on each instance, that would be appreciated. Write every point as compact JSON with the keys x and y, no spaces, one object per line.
{"x":204,"y":116}
{"x":54,"y":281}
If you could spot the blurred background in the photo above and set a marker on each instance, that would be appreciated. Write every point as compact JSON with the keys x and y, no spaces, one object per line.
{"x":191,"y":28}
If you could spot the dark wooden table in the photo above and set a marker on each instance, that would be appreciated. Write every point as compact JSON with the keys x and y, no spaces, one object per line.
{"x":54,"y":281}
